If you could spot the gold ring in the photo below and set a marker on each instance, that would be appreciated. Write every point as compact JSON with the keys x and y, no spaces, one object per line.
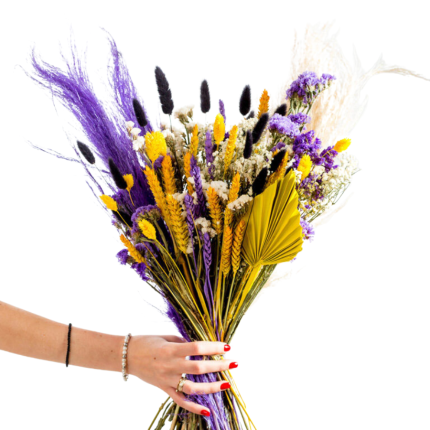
{"x":181,"y":384}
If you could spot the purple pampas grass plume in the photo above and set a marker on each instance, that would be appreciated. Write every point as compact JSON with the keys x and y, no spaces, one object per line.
{"x":164,"y":91}
{"x":207,"y":257}
{"x":259,"y":182}
{"x":245,"y":100}
{"x":251,"y":115}
{"x":86,"y":152}
{"x":247,"y":151}
{"x":259,"y":127}
{"x":205,"y":97}
{"x":116,"y":175}
{"x":139,"y":113}
{"x":277,"y":160}
{"x":222,"y":110}
{"x":201,"y":202}
{"x":281,"y":110}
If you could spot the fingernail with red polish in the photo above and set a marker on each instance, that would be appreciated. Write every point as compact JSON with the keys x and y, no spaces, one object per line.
{"x":206,"y":413}
{"x":225,"y":386}
{"x":233,"y":365}
{"x":227,"y":348}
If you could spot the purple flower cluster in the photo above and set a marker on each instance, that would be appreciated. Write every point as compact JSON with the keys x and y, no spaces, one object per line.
{"x":307,"y":230}
{"x":311,"y":186}
{"x":148,"y":210}
{"x":140,"y":268}
{"x":299,"y":118}
{"x":306,"y":143}
{"x":328,"y":156}
{"x":283,"y":125}
{"x":278,"y":146}
{"x":122,"y":256}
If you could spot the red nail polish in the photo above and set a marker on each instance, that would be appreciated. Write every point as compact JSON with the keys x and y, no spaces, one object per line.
{"x":206,"y":413}
{"x":233,"y":365}
{"x":227,"y":348}
{"x":225,"y":386}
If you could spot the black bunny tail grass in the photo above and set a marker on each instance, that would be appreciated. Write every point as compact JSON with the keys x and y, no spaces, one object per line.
{"x":251,"y":115}
{"x":247,"y":151}
{"x":259,"y":127}
{"x":116,"y":175}
{"x":245,"y":100}
{"x":259,"y":182}
{"x":139,"y":113}
{"x":281,"y":110}
{"x":164,"y":91}
{"x":86,"y":152}
{"x":277,"y":160}
{"x":205,"y":97}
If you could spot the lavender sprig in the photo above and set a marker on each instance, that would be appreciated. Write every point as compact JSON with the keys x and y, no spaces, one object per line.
{"x":201,"y":202}
{"x":209,"y":153}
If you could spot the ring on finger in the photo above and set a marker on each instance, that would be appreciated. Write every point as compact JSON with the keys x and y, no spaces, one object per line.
{"x":181,"y":383}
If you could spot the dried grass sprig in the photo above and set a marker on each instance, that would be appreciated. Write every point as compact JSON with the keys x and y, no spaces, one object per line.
{"x":226,"y":250}
{"x":178,"y":224}
{"x":215,"y":210}
{"x":264,"y":103}
{"x":231,"y":146}
{"x":132,"y":250}
{"x":157,"y":191}
{"x":205,"y":98}
{"x":139,"y":113}
{"x":237,"y":245}
{"x":164,"y":91}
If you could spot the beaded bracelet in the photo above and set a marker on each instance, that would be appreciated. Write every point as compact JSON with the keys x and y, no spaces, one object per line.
{"x":124,"y":357}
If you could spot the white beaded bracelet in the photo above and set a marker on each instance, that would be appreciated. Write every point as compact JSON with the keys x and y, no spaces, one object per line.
{"x":124,"y":357}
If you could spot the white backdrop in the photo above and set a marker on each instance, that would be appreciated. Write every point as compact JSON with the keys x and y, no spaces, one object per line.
{"x":343,"y":344}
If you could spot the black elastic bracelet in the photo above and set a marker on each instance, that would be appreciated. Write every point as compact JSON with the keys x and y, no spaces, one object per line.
{"x":68,"y":345}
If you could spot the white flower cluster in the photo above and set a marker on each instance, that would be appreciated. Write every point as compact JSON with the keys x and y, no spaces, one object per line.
{"x":341,"y":176}
{"x":134,"y":132}
{"x":184,"y":112}
{"x":240,"y":202}
{"x":205,"y":226}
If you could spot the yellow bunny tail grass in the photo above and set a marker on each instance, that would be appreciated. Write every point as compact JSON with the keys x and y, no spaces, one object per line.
{"x":148,"y":230}
{"x":194,"y":140}
{"x":168,"y":175}
{"x":215,"y":210}
{"x":130,"y":182}
{"x":226,"y":250}
{"x":231,"y":146}
{"x":342,"y":145}
{"x":219,"y":129}
{"x":237,"y":245}
{"x":305,"y":166}
{"x":132,"y":250}
{"x":187,"y":168}
{"x":109,"y":202}
{"x":157,"y":191}
{"x":264,"y":103}
{"x":179,"y":227}
{"x":155,"y":145}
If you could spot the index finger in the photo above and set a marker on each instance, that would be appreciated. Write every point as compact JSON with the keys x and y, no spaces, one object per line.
{"x":201,"y":348}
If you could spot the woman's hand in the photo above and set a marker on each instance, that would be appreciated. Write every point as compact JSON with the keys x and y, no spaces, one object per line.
{"x":161,"y":361}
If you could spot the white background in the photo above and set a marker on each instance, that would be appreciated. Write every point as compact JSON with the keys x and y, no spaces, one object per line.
{"x":344,"y":344}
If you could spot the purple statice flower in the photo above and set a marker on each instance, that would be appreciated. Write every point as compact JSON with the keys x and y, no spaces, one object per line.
{"x":307,"y":230}
{"x":122,"y":256}
{"x":140,"y":268}
{"x":306,"y":143}
{"x":311,"y":187}
{"x":150,"y":211}
{"x":303,"y":87}
{"x":326,"y":79}
{"x":158,"y":161}
{"x":299,"y":118}
{"x":328,"y":155}
{"x":283,"y":125}
{"x":198,"y":186}
{"x":278,"y":146}
{"x":209,"y":152}
{"x":207,"y":258}
{"x":123,"y":200}
{"x":148,"y":249}
{"x":222,"y":110}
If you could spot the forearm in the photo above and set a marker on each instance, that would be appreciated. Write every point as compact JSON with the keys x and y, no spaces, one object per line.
{"x":24,"y":333}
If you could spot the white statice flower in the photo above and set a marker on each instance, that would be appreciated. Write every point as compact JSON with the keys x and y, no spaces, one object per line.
{"x":318,"y":170}
{"x":240,"y":202}
{"x":167,"y":133}
{"x":190,"y":246}
{"x":184,"y":112}
{"x":129,"y":125}
{"x":205,"y":226}
{"x":138,"y":143}
{"x":135,"y":131}
{"x":180,"y":197}
{"x":221,"y":188}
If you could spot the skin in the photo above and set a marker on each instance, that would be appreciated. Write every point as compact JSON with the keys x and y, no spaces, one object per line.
{"x":157,"y":360}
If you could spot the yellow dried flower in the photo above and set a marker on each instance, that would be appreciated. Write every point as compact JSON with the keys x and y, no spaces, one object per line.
{"x":129,"y":180}
{"x":226,"y":250}
{"x":168,"y":175}
{"x":157,"y":191}
{"x":178,"y":225}
{"x":219,"y":129}
{"x":237,"y":245}
{"x":132,"y":250}
{"x":215,"y":210}
{"x":342,"y":145}
{"x":231,"y":146}
{"x":187,"y":168}
{"x":264,"y":103}
{"x":194,"y":140}
{"x":148,"y":229}
{"x":155,"y":145}
{"x":109,"y":202}
{"x":232,"y":196}
{"x":305,"y":166}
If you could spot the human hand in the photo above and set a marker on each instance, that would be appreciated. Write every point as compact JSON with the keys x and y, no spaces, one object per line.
{"x":161,"y":361}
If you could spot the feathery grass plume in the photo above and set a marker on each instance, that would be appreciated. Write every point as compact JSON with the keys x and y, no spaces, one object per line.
{"x":259,"y":182}
{"x":342,"y":145}
{"x":194,"y":140}
{"x":187,"y":168}
{"x":164,"y":91}
{"x":259,"y":127}
{"x":148,"y":230}
{"x":264,"y":103}
{"x":232,"y":196}
{"x":222,"y":110}
{"x":277,"y":160}
{"x":155,"y":145}
{"x":168,"y":175}
{"x":245,"y":100}
{"x":116,"y":175}
{"x":226,"y":250}
{"x":231,"y":146}
{"x":178,"y":224}
{"x":130,"y":182}
{"x":215,"y":210}
{"x":132,"y":250}
{"x":247,"y":150}
{"x":251,"y":115}
{"x":237,"y":245}
{"x":219,"y":129}
{"x":139,"y":113}
{"x":157,"y":191}
{"x":86,"y":152}
{"x":281,"y":109}
{"x":205,"y":98}
{"x":305,"y":166}
{"x":109,"y":202}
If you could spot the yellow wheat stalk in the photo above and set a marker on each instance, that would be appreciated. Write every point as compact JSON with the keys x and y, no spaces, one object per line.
{"x":237,"y":245}
{"x":187,"y":168}
{"x":168,"y":175}
{"x":215,"y":210}
{"x":178,"y":225}
{"x":132,"y":250}
{"x":157,"y":191}
{"x":226,"y":250}
{"x":194,"y":140}
{"x":231,"y":146}
{"x":264,"y":103}
{"x":232,"y":196}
